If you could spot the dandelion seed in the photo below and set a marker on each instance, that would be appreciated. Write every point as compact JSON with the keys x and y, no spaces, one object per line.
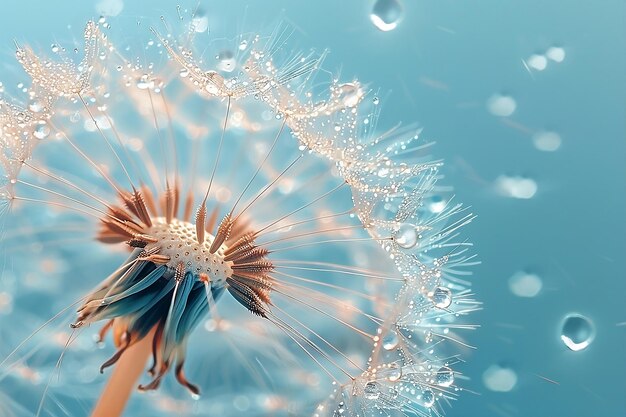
{"x":311,"y":237}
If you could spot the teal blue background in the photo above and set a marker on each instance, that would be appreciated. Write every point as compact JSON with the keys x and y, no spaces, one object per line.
{"x":572,"y":233}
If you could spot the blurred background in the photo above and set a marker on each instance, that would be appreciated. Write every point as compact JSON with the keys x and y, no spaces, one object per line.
{"x":526,"y":102}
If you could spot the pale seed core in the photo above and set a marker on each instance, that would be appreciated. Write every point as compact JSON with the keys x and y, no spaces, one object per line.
{"x":178,"y":241}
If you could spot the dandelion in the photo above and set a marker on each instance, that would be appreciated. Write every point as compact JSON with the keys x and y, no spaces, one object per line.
{"x":243,"y":196}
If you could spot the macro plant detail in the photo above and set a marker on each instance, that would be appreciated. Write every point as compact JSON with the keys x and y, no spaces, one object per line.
{"x":253,"y":174}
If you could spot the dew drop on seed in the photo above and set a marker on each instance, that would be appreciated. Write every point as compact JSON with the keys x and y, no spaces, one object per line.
{"x":386,"y":14}
{"x":371,"y":390}
{"x":444,"y":377}
{"x":36,"y":106}
{"x":501,"y":105}
{"x":577,"y":332}
{"x":226,"y":61}
{"x":428,"y":397}
{"x":42,"y":130}
{"x":442,"y":297}
{"x":390,"y":340}
{"x":376,"y":100}
{"x":406,"y":236}
{"x":395,"y":372}
{"x":349,"y":94}
{"x":547,"y":141}
{"x":55,"y":48}
{"x":184,"y":73}
{"x":524,"y":284}
{"x":556,"y":54}
{"x":243,"y":45}
{"x":500,"y":379}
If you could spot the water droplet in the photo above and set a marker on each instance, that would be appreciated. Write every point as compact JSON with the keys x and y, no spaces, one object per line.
{"x":500,"y":379}
{"x":444,"y":377}
{"x":200,"y":23}
{"x":226,"y":61}
{"x":406,"y":236}
{"x":501,"y":105}
{"x":516,"y":187}
{"x":428,"y":397}
{"x":36,"y":106}
{"x":184,"y":72}
{"x":109,"y":7}
{"x":436,"y":204}
{"x":243,"y":45}
{"x":386,"y":14}
{"x":42,"y":130}
{"x":556,"y":54}
{"x":390,"y":340}
{"x":376,"y":100}
{"x":383,"y":172}
{"x":524,"y":284}
{"x":537,"y":62}
{"x":350,"y":94}
{"x":394,"y":372}
{"x":547,"y":141}
{"x":55,"y":48}
{"x":371,"y":390}
{"x":577,"y":332}
{"x":441,"y":297}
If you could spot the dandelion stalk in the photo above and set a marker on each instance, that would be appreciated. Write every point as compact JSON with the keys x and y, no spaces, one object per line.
{"x":124,"y":379}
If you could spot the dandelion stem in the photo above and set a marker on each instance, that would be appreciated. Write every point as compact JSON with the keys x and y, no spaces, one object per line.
{"x":126,"y":372}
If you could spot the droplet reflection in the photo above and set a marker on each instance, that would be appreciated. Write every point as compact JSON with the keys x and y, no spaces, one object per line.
{"x":577,"y":332}
{"x":386,"y":14}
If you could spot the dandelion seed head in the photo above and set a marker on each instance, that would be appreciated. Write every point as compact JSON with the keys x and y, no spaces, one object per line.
{"x":240,"y":192}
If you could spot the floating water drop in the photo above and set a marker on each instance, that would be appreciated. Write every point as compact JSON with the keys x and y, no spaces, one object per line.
{"x":501,"y":105}
{"x":386,"y":14}
{"x":109,"y":7}
{"x":406,"y":236}
{"x":516,"y":187}
{"x":441,"y":297}
{"x":444,"y":377}
{"x":436,"y":204}
{"x":200,"y":23}
{"x":537,"y":62}
{"x":577,"y":332}
{"x":500,"y":379}
{"x":428,"y":397}
{"x":556,"y":54}
{"x":372,"y":390}
{"x":524,"y":284}
{"x":547,"y":141}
